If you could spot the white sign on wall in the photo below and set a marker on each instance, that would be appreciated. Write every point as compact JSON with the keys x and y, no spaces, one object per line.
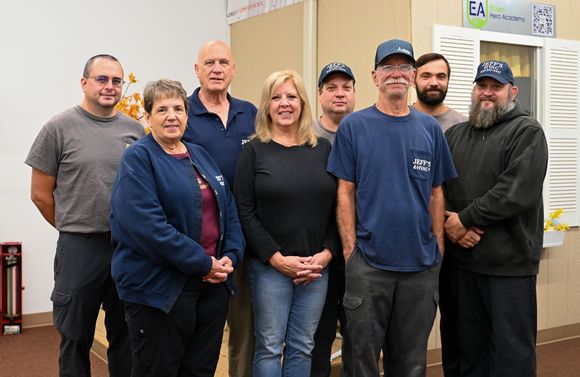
{"x":510,"y":16}
{"x":241,"y":9}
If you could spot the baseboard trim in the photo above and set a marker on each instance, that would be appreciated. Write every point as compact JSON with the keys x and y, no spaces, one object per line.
{"x":556,"y":334}
{"x":37,"y":320}
{"x":434,"y":356}
{"x":545,"y":336}
{"x":45,"y":319}
{"x":100,"y":350}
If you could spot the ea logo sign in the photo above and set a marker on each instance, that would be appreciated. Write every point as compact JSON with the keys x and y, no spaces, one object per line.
{"x":477,"y":12}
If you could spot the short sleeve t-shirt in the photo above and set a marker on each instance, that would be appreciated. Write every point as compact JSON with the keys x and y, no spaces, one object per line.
{"x":323,"y":132}
{"x":394,"y":163}
{"x":83,"y":152}
{"x":450,"y":118}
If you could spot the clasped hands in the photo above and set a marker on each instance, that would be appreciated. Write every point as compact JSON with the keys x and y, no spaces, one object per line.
{"x":220,"y":269}
{"x":302,"y":269}
{"x":457,"y":233}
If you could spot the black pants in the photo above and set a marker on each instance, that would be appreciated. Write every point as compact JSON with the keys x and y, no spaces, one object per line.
{"x":488,"y":324}
{"x":184,"y":342}
{"x":82,"y":282}
{"x":332,"y":313}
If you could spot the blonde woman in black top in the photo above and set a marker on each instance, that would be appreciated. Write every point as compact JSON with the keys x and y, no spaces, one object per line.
{"x":286,"y":202}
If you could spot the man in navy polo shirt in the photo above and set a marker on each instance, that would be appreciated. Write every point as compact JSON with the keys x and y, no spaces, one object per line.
{"x":390,"y":161}
{"x":221,"y":124}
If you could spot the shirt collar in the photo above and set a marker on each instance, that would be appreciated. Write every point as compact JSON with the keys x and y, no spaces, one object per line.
{"x":196,"y":107}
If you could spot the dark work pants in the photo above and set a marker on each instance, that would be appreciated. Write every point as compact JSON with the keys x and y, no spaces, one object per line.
{"x":326,"y":332}
{"x":488,"y":324}
{"x":184,"y":342}
{"x":392,"y":311}
{"x":82,"y":282}
{"x":241,"y":323}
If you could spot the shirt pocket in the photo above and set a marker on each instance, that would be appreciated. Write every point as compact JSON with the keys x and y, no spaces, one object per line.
{"x":420,"y":164}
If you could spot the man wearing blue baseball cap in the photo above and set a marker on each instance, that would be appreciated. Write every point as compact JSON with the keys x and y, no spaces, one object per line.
{"x":390,"y":161}
{"x":495,"y":231}
{"x":336,"y":95}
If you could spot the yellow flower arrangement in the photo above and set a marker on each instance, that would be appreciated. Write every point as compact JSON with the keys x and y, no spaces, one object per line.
{"x":553,"y":223}
{"x":131,"y":105}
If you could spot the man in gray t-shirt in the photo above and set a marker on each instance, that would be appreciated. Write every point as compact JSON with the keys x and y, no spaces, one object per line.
{"x":336,"y":96}
{"x":431,"y":82}
{"x":74,"y":161}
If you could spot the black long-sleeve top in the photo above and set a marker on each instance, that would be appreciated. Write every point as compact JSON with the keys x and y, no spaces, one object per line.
{"x":286,"y":199}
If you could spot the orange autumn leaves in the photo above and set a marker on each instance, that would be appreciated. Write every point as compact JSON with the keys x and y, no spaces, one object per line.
{"x":132,"y":105}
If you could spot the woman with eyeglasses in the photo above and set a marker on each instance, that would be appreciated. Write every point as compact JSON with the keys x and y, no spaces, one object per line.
{"x":177,"y":239}
{"x":286,"y":202}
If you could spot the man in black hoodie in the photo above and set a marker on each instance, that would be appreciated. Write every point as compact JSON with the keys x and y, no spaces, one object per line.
{"x":494,"y":231}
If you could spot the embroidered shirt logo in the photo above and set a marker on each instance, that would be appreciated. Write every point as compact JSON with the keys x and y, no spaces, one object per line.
{"x":422,"y":165}
{"x":220,"y":179}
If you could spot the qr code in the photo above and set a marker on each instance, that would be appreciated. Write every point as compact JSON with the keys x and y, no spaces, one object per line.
{"x":543,"y":20}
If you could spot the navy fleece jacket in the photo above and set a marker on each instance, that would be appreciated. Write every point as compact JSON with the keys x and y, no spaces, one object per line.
{"x":156,"y":223}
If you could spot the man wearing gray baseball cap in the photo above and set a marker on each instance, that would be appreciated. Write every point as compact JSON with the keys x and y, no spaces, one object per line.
{"x":494,"y":233}
{"x":390,"y":161}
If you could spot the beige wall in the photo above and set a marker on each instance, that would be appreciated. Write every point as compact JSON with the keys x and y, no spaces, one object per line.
{"x":350,"y":30}
{"x":559,"y":284}
{"x":265,"y":44}
{"x":425,"y":14}
{"x":567,"y":13}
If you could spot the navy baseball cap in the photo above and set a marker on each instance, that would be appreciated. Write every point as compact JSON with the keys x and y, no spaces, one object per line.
{"x":334,"y":68}
{"x":392,"y":47}
{"x":497,"y":70}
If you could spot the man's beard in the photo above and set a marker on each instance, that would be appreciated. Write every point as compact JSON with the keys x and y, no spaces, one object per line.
{"x":429,"y":100}
{"x":484,"y":118}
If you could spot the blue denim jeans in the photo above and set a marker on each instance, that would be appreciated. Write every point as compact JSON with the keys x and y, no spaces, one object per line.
{"x":285,"y":317}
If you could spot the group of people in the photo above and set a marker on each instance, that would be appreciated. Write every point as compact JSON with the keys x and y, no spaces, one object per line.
{"x":283,"y":226}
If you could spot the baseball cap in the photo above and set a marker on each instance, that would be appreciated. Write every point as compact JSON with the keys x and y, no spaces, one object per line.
{"x":497,"y":70}
{"x":334,"y":68}
{"x":392,"y":47}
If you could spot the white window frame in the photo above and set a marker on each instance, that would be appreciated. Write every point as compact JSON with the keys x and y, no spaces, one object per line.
{"x":561,"y":121}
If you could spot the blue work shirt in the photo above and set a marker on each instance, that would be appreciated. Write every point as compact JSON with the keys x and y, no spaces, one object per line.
{"x":224,"y":144}
{"x":394,"y":162}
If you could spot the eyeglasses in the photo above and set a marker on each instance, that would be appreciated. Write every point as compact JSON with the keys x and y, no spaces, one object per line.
{"x":403,"y":68}
{"x":104,"y":80}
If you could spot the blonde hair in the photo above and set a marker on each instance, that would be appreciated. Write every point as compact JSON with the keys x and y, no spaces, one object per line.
{"x":306,"y":133}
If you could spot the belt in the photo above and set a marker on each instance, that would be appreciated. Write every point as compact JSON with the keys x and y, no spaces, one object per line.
{"x":98,"y":235}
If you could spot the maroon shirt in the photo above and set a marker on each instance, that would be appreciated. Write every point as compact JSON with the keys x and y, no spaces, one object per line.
{"x":210,"y":230}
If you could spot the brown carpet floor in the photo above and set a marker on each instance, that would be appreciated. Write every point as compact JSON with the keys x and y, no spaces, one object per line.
{"x":34,"y":353}
{"x":559,"y":359}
